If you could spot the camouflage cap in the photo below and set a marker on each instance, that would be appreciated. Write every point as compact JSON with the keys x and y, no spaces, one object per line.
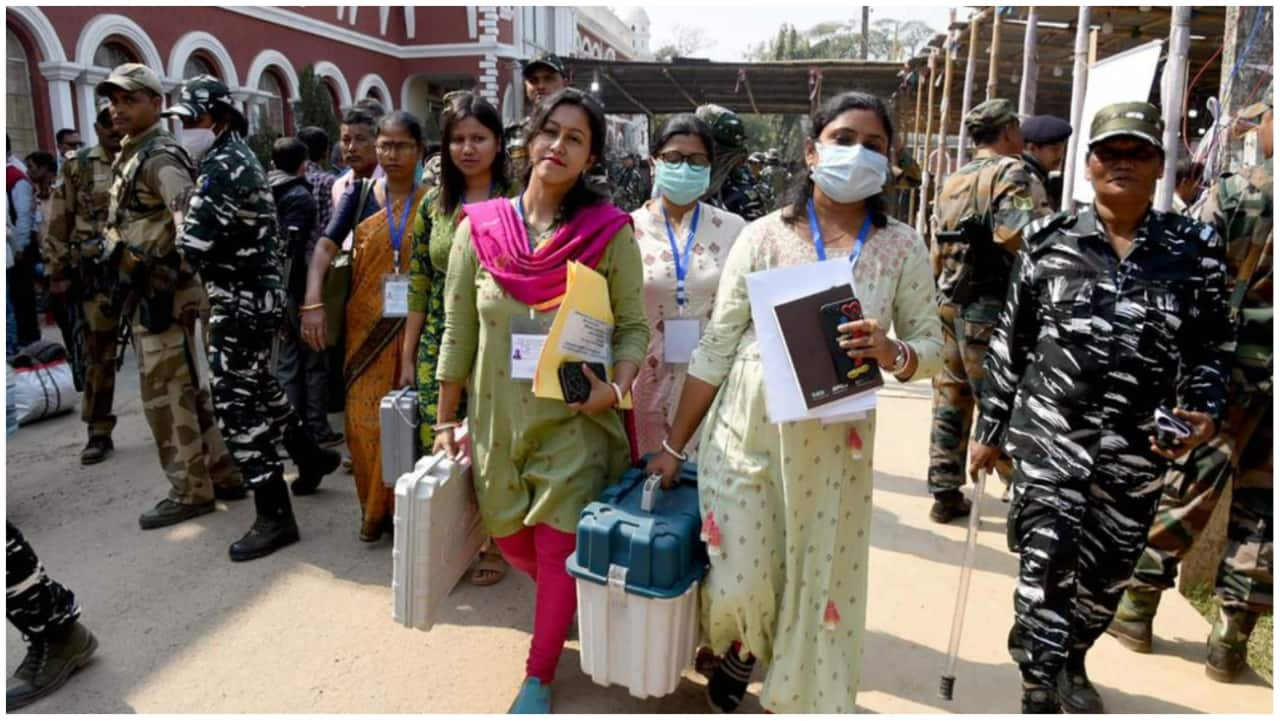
{"x":1257,"y":109}
{"x":772,"y":155}
{"x":546,"y":60}
{"x":726,"y":127}
{"x":990,"y":115}
{"x":199,"y":95}
{"x":1135,"y":120}
{"x":130,"y":77}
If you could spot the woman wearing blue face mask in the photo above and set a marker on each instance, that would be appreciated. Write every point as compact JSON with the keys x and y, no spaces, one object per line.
{"x":684,"y":244}
{"x":786,"y":508}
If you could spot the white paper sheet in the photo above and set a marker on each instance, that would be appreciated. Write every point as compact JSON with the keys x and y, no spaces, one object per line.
{"x":586,"y":337}
{"x":766,"y":290}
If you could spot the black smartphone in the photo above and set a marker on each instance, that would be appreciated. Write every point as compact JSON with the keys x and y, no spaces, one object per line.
{"x":1170,"y":429}
{"x":835,"y":315}
{"x":574,"y":384}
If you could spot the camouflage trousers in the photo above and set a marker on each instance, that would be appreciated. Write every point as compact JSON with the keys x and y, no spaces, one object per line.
{"x":179,"y":410}
{"x":1077,"y":540}
{"x":252,"y":408}
{"x":35,"y":604}
{"x":966,"y":331}
{"x":100,"y":336}
{"x":1192,"y":490}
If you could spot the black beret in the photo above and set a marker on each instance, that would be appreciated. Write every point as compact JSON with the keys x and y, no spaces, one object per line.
{"x":1045,"y":130}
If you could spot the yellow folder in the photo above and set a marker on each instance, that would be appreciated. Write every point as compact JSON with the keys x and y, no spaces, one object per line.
{"x":583,"y":323}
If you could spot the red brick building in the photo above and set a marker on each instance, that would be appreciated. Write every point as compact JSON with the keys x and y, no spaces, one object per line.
{"x":406,"y":57}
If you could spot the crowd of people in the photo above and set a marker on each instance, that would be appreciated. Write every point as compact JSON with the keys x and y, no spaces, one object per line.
{"x":1069,"y":342}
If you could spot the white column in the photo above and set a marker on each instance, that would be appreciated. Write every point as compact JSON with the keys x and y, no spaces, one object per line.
{"x":1173,"y":90}
{"x":1079,"y":82}
{"x":60,"y":76}
{"x":86,"y":100}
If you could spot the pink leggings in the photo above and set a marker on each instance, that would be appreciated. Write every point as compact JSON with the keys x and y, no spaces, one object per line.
{"x":541,"y":552}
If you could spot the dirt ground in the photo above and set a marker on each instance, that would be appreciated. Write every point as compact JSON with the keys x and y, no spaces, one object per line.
{"x":309,"y":629}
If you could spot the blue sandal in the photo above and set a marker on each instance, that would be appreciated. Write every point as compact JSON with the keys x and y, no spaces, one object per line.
{"x":533,"y":698}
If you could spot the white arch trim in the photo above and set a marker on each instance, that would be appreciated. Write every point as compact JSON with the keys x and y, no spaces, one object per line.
{"x":406,"y":92}
{"x":103,"y":27}
{"x":276,"y":59}
{"x":200,"y":40}
{"x":41,"y":29}
{"x":326,"y":69}
{"x":371,"y":81}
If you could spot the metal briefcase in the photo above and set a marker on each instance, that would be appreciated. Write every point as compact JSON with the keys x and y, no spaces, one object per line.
{"x":398,"y":429}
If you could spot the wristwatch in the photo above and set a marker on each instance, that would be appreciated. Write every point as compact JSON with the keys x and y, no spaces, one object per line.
{"x":900,"y":358}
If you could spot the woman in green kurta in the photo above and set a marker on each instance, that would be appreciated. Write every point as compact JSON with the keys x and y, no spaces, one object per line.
{"x":472,"y":169}
{"x":787,"y":507}
{"x":538,"y":462}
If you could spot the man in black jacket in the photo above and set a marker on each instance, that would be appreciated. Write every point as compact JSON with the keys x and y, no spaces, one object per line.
{"x":302,"y":372}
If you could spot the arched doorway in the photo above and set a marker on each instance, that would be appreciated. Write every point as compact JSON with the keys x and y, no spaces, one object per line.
{"x":423,"y":95}
{"x":20,"y":114}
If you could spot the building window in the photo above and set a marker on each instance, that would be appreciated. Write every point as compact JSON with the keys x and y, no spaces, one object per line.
{"x":20,"y":115}
{"x":112,"y":54}
{"x":197,"y":65}
{"x":271,"y":110}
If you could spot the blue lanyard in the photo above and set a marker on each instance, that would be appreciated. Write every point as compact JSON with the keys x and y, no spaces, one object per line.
{"x":397,"y":234}
{"x":821,"y":248}
{"x":682,"y":258}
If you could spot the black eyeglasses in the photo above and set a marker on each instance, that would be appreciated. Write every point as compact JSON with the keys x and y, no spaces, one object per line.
{"x":675,"y":157}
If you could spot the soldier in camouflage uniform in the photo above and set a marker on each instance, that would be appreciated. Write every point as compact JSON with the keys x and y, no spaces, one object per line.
{"x":72,"y":251}
{"x":775,"y":176}
{"x":629,"y":192}
{"x":1111,"y":313}
{"x":1046,"y":145}
{"x":979,"y":218}
{"x":159,"y":293}
{"x":1240,"y":208}
{"x":229,"y":237}
{"x":543,"y":77}
{"x":732,"y":187}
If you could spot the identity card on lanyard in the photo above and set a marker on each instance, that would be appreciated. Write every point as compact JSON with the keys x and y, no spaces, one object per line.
{"x":680,"y":334}
{"x":395,"y":285}
{"x":821,"y":248}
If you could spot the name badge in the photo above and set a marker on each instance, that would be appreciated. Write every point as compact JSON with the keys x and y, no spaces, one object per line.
{"x":395,"y":296}
{"x":680,"y":337}
{"x":528,"y":335}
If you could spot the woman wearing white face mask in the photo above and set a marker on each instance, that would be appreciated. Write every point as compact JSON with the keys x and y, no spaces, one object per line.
{"x":684,"y":244}
{"x":787,"y":508}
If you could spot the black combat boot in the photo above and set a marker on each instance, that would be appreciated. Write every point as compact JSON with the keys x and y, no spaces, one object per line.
{"x":1075,"y":692}
{"x":50,"y":661}
{"x":1229,"y":645}
{"x":97,"y":450}
{"x":1039,"y":699}
{"x":949,"y":505}
{"x":313,"y":462}
{"x":273,"y":529}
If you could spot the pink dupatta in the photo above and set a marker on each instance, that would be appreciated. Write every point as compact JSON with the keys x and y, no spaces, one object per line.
{"x":537,"y":277}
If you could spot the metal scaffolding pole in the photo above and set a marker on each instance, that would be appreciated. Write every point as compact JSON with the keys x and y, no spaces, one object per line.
{"x":915,"y":137}
{"x":993,"y":69}
{"x":966,"y":100}
{"x":1173,"y":89}
{"x":922,"y":209}
{"x":1030,"y":65}
{"x":948,"y":57}
{"x":1078,"y":85}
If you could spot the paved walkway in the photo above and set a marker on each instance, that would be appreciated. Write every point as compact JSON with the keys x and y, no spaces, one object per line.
{"x":309,"y":629}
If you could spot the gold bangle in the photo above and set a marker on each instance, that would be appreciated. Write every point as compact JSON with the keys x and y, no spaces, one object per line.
{"x":313,"y":306}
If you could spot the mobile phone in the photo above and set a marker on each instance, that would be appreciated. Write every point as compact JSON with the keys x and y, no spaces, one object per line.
{"x":1170,"y":429}
{"x":835,"y":315}
{"x":574,"y":385}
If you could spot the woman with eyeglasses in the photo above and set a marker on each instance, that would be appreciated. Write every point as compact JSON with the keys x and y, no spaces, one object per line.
{"x":381,"y":213}
{"x":472,"y":169}
{"x":538,"y":461}
{"x":683,"y":245}
{"x":786,"y":508}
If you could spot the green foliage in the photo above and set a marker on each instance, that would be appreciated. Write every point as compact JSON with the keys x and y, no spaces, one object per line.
{"x":260,"y":143}
{"x":315,"y":104}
